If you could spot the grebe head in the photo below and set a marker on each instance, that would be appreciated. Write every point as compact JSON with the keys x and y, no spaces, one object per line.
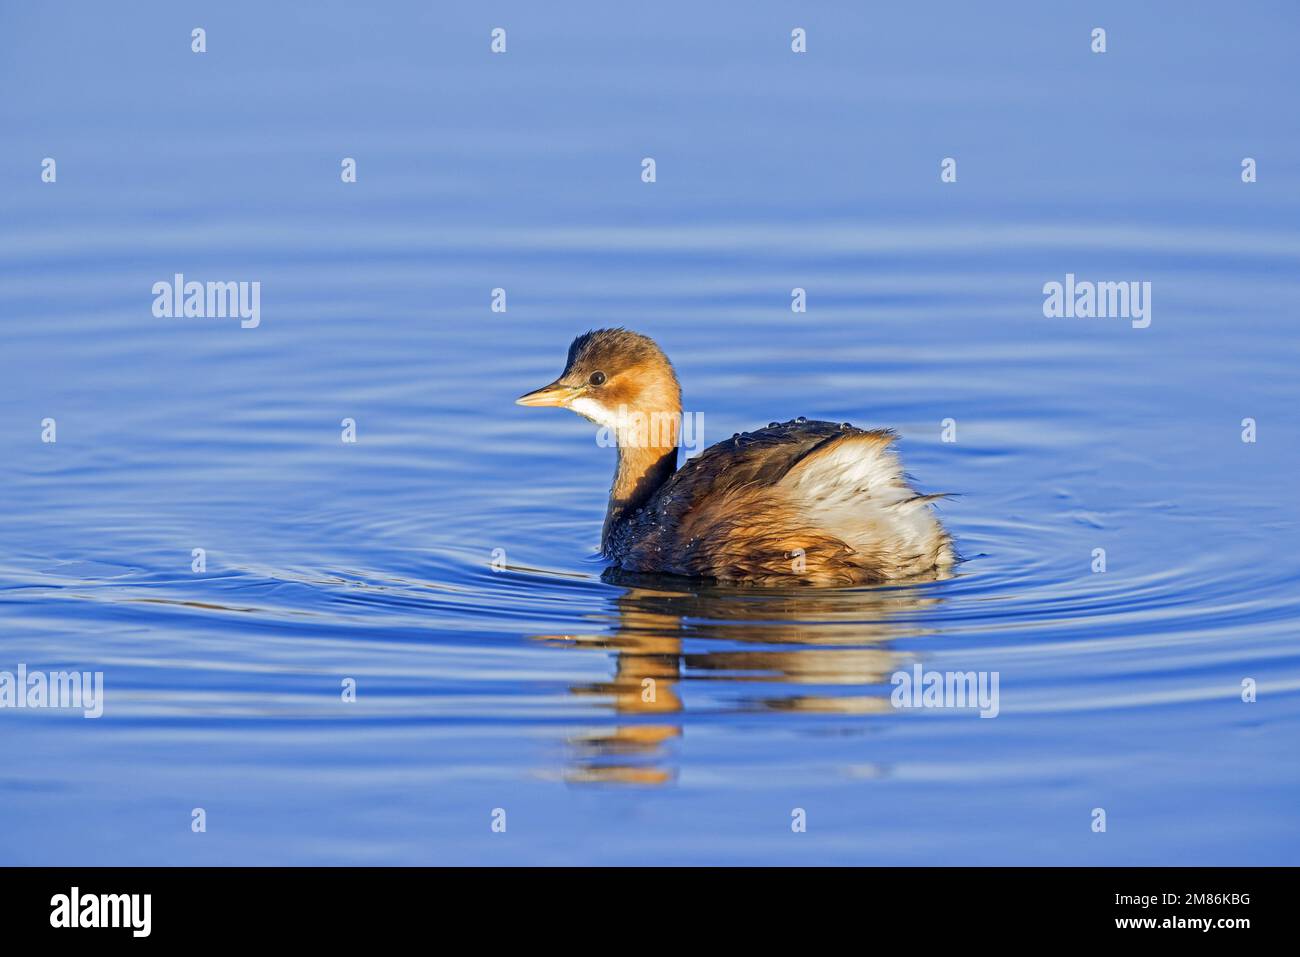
{"x":612,"y":375}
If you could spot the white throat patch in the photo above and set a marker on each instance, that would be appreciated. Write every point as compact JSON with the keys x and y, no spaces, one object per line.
{"x":593,"y":411}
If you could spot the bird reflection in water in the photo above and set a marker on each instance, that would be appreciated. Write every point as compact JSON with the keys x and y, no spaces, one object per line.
{"x":784,"y":642}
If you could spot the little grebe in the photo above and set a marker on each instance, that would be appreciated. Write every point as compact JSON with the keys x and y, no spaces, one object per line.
{"x":799,"y":502}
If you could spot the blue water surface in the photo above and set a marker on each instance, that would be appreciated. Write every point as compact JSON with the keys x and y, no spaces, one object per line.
{"x":444,"y":562}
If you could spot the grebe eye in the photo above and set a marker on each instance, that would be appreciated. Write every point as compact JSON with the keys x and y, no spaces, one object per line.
{"x":597,"y":378}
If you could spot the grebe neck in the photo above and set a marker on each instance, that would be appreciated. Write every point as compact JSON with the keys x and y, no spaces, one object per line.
{"x":642,"y":468}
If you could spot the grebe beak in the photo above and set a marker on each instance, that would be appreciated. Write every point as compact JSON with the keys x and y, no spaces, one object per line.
{"x":554,"y":394}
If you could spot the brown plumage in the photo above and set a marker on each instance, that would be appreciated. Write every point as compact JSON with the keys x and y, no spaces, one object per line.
{"x":798,"y":502}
